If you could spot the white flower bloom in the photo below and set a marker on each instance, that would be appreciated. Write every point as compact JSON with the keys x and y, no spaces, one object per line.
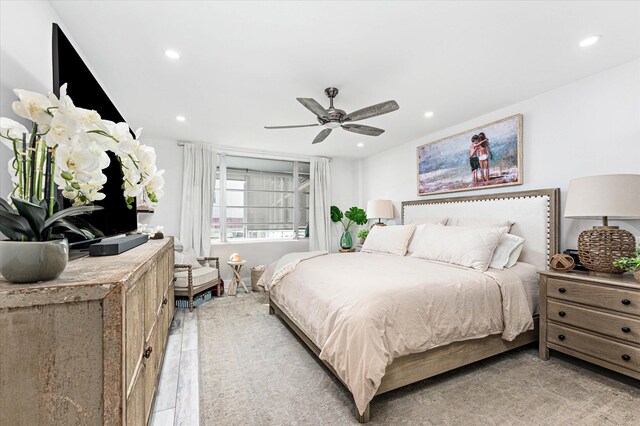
{"x":76,"y":158}
{"x":32,"y":106}
{"x":88,"y":117}
{"x":62,"y":129}
{"x":10,"y":129}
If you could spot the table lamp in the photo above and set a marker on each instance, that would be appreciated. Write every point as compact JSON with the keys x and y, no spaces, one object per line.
{"x":606,"y":197}
{"x":380,"y":209}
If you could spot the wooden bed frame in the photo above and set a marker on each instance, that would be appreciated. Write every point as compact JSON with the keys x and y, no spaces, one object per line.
{"x":419,"y":366}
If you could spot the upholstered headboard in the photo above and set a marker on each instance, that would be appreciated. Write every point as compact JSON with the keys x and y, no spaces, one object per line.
{"x":536,"y":217}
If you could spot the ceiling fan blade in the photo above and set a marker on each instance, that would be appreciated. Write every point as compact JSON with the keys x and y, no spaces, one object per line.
{"x":322,"y":135}
{"x":291,"y":127}
{"x":363,"y":130}
{"x":313,"y":106}
{"x":372,"y":111}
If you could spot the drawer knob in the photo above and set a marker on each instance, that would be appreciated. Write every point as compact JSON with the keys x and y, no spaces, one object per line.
{"x":626,"y":330}
{"x":561,"y":337}
{"x":562,"y":290}
{"x":626,"y":357}
{"x":164,"y":301}
{"x":147,"y":352}
{"x":562,"y":313}
{"x":626,"y":301}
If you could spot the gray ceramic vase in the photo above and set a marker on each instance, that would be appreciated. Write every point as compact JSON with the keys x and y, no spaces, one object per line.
{"x":33,"y":261}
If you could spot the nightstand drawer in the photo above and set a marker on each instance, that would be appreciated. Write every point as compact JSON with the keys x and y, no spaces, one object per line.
{"x":601,"y":322}
{"x":616,"y":353}
{"x":606,"y":297}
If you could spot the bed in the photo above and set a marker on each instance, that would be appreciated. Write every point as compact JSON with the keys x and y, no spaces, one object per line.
{"x":380,"y":322}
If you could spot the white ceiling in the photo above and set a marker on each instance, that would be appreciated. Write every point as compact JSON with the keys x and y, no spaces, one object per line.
{"x":244,"y":63}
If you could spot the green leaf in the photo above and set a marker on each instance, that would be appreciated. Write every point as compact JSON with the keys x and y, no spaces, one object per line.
{"x":34,"y":214}
{"x":357,"y":215}
{"x":4,"y":205}
{"x":83,"y":224}
{"x":336,"y":214}
{"x":65,"y":224}
{"x":11,"y":223}
{"x":71,"y":211}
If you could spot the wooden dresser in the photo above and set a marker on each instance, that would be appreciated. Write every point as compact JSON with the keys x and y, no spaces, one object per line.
{"x":86,"y":349}
{"x":593,"y":318}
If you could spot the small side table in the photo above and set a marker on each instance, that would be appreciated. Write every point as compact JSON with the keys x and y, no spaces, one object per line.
{"x":236,"y":267}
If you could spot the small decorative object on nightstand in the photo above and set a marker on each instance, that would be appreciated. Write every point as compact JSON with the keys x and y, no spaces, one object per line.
{"x":236,"y":268}
{"x":593,"y":318}
{"x":562,"y":262}
{"x":380,"y":209}
{"x":605,"y":196}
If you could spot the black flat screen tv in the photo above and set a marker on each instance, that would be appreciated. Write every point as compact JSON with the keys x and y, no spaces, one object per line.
{"x":86,"y":92}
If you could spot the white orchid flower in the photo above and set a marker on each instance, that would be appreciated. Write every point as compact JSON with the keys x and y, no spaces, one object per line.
{"x":62,"y":128}
{"x":88,"y":118}
{"x":32,"y":106}
{"x":76,"y":158}
{"x":10,"y":129}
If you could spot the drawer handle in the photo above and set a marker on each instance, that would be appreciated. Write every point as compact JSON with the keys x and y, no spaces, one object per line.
{"x":562,"y":290}
{"x":561,"y":337}
{"x":147,"y":352}
{"x":562,"y":313}
{"x":164,"y":301}
{"x":626,"y":357}
{"x":626,"y":330}
{"x":626,"y":301}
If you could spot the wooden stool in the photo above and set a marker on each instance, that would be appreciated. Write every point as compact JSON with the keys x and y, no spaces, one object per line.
{"x":236,"y":267}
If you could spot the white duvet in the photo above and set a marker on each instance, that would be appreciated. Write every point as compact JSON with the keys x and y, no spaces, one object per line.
{"x":364,"y":310}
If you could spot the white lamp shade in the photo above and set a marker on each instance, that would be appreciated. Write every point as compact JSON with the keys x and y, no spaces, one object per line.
{"x":614,"y":196}
{"x":380,"y":209}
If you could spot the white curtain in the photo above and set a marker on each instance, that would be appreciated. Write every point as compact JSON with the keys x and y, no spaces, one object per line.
{"x":320,"y":205}
{"x":198,"y":183}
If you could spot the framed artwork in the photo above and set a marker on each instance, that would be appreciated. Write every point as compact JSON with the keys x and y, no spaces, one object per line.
{"x":488,"y":156}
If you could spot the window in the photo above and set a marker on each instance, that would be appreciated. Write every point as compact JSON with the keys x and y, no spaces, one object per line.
{"x":257,"y":198}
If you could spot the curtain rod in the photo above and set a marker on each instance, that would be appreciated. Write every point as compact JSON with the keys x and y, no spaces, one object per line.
{"x":245,"y":152}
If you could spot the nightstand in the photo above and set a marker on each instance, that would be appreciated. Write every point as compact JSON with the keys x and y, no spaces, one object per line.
{"x":591,"y":317}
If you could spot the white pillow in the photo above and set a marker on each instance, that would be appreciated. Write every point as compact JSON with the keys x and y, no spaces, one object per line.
{"x":481,"y":223}
{"x":388,"y":239}
{"x":509,"y":245}
{"x":464,"y":246}
{"x":188,"y":257}
{"x":433,"y":221}
{"x":514,"y":256}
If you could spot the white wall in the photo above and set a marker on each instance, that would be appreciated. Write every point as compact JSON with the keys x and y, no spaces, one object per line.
{"x":25,"y":60}
{"x":588,"y":127}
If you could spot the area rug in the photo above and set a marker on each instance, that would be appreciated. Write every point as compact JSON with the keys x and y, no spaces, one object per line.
{"x":254,"y":371}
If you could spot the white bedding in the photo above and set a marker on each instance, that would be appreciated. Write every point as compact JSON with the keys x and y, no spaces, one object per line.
{"x":364,"y":310}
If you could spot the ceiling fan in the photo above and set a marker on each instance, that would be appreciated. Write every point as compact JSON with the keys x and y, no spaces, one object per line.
{"x":333,"y":118}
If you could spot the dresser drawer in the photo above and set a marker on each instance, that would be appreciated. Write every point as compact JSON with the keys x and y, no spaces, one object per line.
{"x":606,"y":297}
{"x":614,"y":352}
{"x":601,"y":322}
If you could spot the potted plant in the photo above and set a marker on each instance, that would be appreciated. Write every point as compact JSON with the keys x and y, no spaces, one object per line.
{"x":347,"y":219}
{"x":628,"y":264}
{"x":362,"y":235}
{"x":66,"y":150}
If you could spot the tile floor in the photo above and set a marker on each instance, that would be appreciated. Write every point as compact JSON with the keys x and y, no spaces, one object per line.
{"x":177,"y":398}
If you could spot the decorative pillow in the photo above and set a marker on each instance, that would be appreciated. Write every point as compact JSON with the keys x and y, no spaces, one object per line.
{"x":464,"y":246}
{"x":419,"y":227}
{"x":514,"y":256}
{"x":481,"y":223}
{"x":188,"y":256}
{"x":507,"y":246}
{"x":388,"y":239}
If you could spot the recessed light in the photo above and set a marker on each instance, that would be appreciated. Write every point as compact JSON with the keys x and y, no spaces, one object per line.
{"x":360,"y":144}
{"x":590,"y":40}
{"x":428,"y":114}
{"x":181,"y":118}
{"x":172,"y":54}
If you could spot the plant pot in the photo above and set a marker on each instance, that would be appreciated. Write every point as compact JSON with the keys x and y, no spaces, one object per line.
{"x":636,"y":275}
{"x":33,"y":261}
{"x":346,"y":242}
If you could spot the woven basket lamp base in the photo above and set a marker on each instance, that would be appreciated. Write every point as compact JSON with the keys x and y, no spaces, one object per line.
{"x":598,"y":248}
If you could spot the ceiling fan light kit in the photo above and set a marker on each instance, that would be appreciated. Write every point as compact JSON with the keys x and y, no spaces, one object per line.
{"x":332,"y":118}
